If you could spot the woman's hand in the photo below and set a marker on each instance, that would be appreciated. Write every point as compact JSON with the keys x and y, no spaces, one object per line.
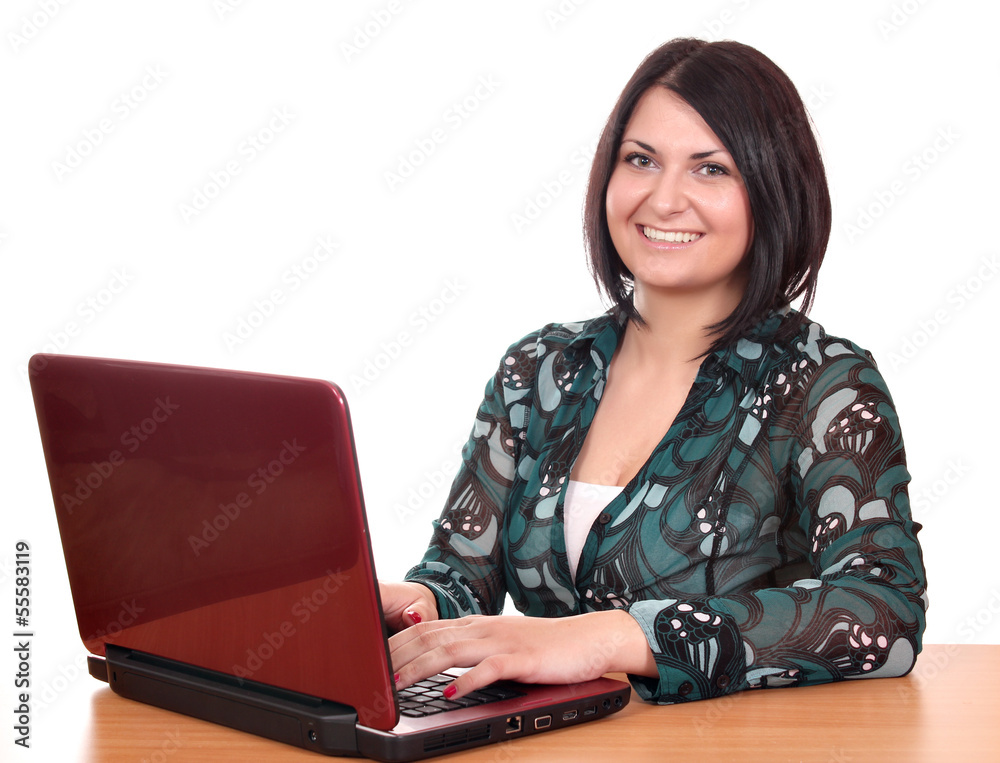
{"x":406,"y":604}
{"x":560,"y":650}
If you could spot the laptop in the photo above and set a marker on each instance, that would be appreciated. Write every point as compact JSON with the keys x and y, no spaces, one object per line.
{"x":218,"y":554}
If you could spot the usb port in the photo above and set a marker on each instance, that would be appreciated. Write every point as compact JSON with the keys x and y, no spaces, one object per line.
{"x":569,"y":715}
{"x":543,"y":721}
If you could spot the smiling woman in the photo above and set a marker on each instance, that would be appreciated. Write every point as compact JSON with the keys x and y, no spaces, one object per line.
{"x":755,"y":114}
{"x":701,"y":487}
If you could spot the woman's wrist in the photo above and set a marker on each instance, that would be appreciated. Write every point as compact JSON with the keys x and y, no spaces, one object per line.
{"x":623,"y":644}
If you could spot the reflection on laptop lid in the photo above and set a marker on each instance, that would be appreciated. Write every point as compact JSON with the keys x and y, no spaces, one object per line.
{"x":218,"y":554}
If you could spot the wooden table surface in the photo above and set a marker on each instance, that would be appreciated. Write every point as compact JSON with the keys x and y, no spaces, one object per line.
{"x":947,"y":709}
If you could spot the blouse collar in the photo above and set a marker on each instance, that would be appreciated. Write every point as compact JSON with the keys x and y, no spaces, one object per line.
{"x":746,"y":357}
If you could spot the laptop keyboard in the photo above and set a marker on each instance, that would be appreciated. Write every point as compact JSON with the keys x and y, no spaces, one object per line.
{"x":424,"y":697}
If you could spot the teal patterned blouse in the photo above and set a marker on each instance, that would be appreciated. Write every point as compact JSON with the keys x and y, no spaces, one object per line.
{"x":766,"y":542}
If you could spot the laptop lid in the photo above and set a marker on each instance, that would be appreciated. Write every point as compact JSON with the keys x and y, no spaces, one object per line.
{"x":215,"y":518}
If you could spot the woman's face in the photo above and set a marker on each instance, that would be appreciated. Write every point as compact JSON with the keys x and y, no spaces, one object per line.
{"x":678,"y":212}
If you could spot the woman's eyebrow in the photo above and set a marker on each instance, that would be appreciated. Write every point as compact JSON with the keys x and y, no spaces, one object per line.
{"x":646,"y":147}
{"x":640,"y":144}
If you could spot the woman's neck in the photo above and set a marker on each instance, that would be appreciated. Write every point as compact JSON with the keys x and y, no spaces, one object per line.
{"x":675,"y":329}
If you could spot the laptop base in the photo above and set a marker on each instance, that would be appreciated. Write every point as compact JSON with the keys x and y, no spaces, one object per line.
{"x":328,"y":727}
{"x":285,"y":716}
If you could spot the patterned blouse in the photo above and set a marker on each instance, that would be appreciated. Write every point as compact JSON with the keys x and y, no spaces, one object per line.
{"x":766,"y":542}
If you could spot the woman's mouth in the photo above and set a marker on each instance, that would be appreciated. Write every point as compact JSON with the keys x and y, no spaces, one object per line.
{"x":670,"y":236}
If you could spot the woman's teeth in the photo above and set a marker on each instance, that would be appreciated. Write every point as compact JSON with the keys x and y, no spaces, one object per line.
{"x":668,"y":235}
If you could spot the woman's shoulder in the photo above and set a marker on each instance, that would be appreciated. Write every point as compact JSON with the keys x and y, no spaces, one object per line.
{"x":798,"y":337}
{"x":824,"y":362}
{"x":559,"y":336}
{"x":571,"y":339}
{"x":559,"y":347}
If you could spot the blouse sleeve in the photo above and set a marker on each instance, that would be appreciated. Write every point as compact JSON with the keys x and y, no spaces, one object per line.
{"x":856,"y":609}
{"x":463,"y":563}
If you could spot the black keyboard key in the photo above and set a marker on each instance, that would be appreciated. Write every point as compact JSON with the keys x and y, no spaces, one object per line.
{"x":442,"y":704}
{"x":501,"y":692}
{"x":481,"y":697}
{"x":465,"y":701}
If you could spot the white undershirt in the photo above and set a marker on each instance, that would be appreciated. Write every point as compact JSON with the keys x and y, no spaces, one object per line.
{"x":584,"y":502}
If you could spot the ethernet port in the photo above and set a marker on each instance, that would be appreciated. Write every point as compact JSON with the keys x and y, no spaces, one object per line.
{"x":513,"y":724}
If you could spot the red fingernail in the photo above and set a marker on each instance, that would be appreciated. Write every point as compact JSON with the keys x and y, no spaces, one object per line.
{"x":450,"y":692}
{"x":414,"y":616}
{"x":395,"y":677}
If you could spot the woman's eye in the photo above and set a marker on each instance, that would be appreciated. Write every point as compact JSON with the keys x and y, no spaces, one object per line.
{"x":639,"y":160}
{"x":714,"y":170}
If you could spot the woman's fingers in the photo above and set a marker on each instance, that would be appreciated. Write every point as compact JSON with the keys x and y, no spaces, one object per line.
{"x":494,"y":648}
{"x":492,"y":669}
{"x":430,"y":648}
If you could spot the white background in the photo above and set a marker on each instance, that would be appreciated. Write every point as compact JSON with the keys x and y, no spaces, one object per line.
{"x":100,"y":256}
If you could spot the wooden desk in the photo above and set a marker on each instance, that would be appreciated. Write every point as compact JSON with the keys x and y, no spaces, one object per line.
{"x":948,"y":709}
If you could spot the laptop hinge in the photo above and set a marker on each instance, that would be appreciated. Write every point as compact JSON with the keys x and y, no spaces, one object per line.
{"x":267,"y":711}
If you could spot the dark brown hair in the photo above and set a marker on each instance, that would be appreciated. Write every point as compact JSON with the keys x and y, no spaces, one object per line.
{"x":755,"y":110}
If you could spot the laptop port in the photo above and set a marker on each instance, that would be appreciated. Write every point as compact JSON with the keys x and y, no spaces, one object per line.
{"x":570,"y":715}
{"x":543,"y":721}
{"x":513,"y":724}
{"x":619,"y":703}
{"x":592,"y":710}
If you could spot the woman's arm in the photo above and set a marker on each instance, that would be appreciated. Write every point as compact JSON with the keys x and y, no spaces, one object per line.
{"x":463,"y":564}
{"x":856,"y":608}
{"x":557,"y":650}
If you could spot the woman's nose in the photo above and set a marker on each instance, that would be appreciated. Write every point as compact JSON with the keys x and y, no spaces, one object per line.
{"x":668,"y":195}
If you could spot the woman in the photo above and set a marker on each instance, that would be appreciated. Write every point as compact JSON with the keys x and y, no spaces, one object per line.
{"x":699,"y":488}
